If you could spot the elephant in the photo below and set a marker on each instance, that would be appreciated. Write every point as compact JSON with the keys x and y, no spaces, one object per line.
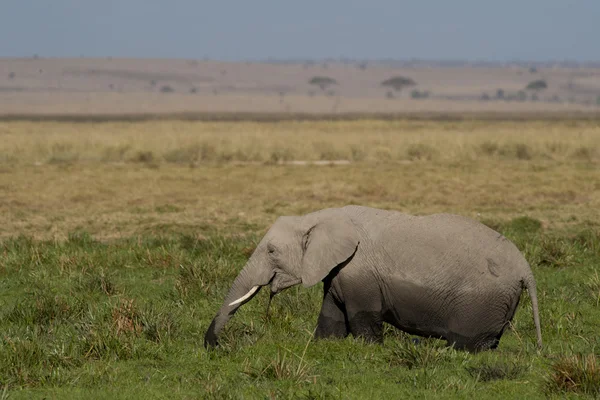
{"x":442,"y":275}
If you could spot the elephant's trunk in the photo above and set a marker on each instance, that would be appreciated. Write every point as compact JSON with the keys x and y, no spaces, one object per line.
{"x":251,"y":278}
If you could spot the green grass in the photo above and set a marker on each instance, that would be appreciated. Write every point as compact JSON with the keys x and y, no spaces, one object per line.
{"x":126,"y":319}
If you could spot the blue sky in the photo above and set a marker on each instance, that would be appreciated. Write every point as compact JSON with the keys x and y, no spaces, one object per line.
{"x":530,"y":30}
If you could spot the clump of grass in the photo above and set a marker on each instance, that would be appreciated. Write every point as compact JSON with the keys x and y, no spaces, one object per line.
{"x":554,"y":252}
{"x":589,"y":239}
{"x":27,"y":362}
{"x":489,"y":148}
{"x":126,"y":318}
{"x":420,"y":151}
{"x":413,"y":356}
{"x":585,"y":153}
{"x":286,"y":365}
{"x":496,"y":370}
{"x":281,"y":154}
{"x":557,"y":147}
{"x":519,"y":151}
{"x":593,"y":285}
{"x":358,"y":153}
{"x":327,"y":151}
{"x":190,"y":282}
{"x":188,"y":154}
{"x":115,"y":153}
{"x":43,"y":308}
{"x":63,"y":153}
{"x":157,"y":325}
{"x":98,"y":282}
{"x":144,"y":157}
{"x":577,"y":373}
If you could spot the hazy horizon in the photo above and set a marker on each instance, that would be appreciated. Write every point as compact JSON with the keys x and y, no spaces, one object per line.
{"x":538,"y":31}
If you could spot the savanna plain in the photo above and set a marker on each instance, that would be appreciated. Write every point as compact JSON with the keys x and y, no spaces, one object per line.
{"x":119,"y":240}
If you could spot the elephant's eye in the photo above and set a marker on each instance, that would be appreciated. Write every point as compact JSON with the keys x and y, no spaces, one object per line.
{"x":270,"y":249}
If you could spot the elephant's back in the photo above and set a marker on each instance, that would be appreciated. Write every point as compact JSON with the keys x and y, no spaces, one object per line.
{"x":447,"y":247}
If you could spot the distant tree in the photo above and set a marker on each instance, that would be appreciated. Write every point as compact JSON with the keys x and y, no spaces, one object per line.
{"x":41,"y":71}
{"x":534,"y":97}
{"x":193,"y":90}
{"x":500,"y":94}
{"x":398,"y":82}
{"x":311,"y":93}
{"x":166,"y":89}
{"x":322,"y":81}
{"x":36,"y":56}
{"x":539,"y":84}
{"x":485,"y":97}
{"x":533,"y":70}
{"x":362,"y":66}
{"x":11,"y":75}
{"x":598,"y":100}
{"x":111,"y":86}
{"x":223,"y":72}
{"x":390,"y":94}
{"x":153,"y":83}
{"x":331,"y":93}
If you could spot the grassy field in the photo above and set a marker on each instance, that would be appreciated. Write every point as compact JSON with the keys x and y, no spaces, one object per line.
{"x":118,"y":242}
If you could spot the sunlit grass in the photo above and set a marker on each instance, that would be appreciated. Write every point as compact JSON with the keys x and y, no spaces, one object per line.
{"x":126,"y":319}
{"x":185,"y":142}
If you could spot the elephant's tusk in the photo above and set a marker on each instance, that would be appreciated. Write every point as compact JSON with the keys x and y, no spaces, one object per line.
{"x":244,"y":297}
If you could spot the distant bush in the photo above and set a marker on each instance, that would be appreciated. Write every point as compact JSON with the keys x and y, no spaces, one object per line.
{"x":11,"y":75}
{"x":389,"y":94}
{"x":500,"y":94}
{"x":166,"y":89}
{"x":398,"y":82}
{"x":193,"y":90}
{"x":539,"y":84}
{"x":485,"y":97}
{"x":534,"y":97}
{"x":415,"y":94}
{"x":533,"y":70}
{"x":598,"y":100}
{"x":521,"y":95}
{"x":322,"y":82}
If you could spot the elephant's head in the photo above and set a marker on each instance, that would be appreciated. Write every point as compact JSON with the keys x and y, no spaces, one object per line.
{"x":295,"y":250}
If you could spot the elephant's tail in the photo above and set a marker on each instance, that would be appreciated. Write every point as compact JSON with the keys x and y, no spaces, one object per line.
{"x":529,"y":283}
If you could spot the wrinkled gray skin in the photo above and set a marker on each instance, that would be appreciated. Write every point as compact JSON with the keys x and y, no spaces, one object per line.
{"x":441,"y":275}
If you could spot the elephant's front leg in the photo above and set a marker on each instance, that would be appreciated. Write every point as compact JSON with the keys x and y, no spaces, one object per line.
{"x":332,"y":321}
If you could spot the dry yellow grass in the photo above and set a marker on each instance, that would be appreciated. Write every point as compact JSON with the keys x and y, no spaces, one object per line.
{"x":369,"y":140}
{"x":119,"y":179}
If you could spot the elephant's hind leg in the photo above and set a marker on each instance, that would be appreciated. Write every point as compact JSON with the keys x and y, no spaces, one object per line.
{"x":332,"y":321}
{"x":367,"y":325}
{"x":474,"y":345}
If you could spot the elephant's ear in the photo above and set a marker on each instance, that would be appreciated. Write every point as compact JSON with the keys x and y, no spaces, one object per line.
{"x":327,"y":244}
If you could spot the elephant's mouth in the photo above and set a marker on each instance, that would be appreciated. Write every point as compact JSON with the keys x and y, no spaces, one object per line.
{"x":282,"y":281}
